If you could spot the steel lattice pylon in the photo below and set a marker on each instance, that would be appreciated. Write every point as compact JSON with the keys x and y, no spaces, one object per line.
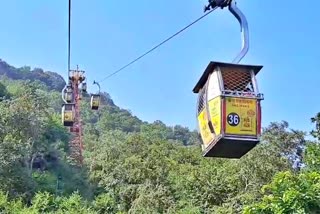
{"x":75,"y":145}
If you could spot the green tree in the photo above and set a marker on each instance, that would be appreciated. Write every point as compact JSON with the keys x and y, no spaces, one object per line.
{"x":290,"y":193}
{"x":316,"y":119}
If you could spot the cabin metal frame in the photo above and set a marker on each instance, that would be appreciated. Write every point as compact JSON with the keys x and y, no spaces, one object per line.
{"x":224,"y":144}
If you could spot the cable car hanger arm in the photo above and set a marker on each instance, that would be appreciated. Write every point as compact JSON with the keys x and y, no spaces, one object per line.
{"x":244,"y":29}
{"x":96,"y":83}
{"x":241,"y":19}
{"x":62,"y":93}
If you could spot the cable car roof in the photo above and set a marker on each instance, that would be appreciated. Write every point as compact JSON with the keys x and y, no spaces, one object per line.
{"x":213,"y":64}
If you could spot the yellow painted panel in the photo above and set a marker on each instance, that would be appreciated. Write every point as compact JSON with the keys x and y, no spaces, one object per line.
{"x":241,"y":116}
{"x":67,"y":116}
{"x":215,"y":113}
{"x":205,"y":132}
{"x":95,"y":102}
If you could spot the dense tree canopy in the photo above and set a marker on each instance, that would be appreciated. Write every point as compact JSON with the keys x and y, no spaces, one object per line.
{"x":132,"y":166}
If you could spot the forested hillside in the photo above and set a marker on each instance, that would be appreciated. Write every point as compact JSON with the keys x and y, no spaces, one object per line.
{"x":132,"y":166}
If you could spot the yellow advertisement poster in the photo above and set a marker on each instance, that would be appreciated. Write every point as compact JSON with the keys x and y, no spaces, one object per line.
{"x":215,"y":113}
{"x":205,"y":132}
{"x":241,"y":116}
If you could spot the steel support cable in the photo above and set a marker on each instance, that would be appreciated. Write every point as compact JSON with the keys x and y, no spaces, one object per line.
{"x":157,"y":46}
{"x":69,"y":44}
{"x":69,"y":35}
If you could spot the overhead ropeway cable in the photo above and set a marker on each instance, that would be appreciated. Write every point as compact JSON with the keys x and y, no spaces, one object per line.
{"x":155,"y":47}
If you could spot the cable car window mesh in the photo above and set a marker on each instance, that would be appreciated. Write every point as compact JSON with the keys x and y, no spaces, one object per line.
{"x":202,"y":100}
{"x":237,"y":80}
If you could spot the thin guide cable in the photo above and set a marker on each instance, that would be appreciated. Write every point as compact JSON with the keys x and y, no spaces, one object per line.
{"x":157,"y":46}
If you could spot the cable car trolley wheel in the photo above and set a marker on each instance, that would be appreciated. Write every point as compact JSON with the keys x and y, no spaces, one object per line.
{"x":229,"y":111}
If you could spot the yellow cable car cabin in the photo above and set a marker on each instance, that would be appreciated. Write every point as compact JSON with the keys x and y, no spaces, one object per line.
{"x":229,"y":111}
{"x":95,"y":101}
{"x":68,"y":114}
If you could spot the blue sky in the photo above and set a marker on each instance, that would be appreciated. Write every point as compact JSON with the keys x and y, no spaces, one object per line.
{"x":108,"y":34}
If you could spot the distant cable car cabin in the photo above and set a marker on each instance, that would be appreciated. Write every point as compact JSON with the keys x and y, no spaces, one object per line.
{"x":229,"y":111}
{"x":95,"y":101}
{"x":68,"y":97}
{"x":84,"y":87}
{"x":68,"y":94}
{"x":68,"y":114}
{"x":95,"y":98}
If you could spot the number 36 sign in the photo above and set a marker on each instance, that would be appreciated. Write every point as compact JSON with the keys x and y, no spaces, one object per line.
{"x":241,"y":116}
{"x":233,"y":119}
